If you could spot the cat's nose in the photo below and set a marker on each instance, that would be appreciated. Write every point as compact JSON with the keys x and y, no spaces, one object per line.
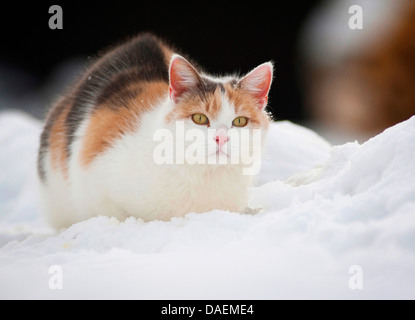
{"x":221,"y":137}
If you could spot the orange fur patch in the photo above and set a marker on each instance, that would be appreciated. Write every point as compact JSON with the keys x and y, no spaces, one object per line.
{"x":108,"y":124}
{"x":57,"y":143}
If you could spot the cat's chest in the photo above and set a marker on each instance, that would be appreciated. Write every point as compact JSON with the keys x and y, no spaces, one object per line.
{"x":203,"y":187}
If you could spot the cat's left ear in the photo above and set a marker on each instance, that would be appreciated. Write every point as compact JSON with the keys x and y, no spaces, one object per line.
{"x":258,"y":82}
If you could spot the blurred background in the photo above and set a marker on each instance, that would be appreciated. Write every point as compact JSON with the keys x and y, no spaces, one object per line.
{"x":345,"y":83}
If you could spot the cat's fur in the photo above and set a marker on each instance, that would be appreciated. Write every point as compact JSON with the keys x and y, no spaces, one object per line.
{"x":96,"y":151}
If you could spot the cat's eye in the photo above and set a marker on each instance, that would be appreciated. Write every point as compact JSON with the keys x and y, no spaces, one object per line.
{"x":200,"y":118}
{"x":240,"y":122}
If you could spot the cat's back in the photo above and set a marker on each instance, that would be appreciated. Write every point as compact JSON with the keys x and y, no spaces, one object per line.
{"x":107,"y":102}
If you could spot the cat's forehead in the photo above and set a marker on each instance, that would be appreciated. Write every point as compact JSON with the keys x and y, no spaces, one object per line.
{"x":216,"y":100}
{"x":226,"y":111}
{"x":221,"y":100}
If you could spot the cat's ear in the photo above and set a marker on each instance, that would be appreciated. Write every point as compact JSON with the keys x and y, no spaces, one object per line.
{"x":258,"y":82}
{"x":183,"y":77}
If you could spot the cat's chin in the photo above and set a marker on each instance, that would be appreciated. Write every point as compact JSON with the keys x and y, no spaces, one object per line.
{"x":218,"y":158}
{"x":219,"y":153}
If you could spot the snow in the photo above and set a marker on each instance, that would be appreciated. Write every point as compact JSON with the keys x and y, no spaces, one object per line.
{"x":324,"y":210}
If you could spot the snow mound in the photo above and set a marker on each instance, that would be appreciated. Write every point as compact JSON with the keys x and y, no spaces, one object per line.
{"x":325,"y":210}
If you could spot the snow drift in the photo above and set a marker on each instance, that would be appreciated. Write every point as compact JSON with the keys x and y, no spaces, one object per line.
{"x":323,"y":211}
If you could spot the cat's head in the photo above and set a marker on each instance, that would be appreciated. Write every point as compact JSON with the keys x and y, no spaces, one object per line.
{"x":225,"y":111}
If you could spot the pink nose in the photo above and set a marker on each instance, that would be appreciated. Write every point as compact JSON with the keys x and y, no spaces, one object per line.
{"x":221,"y":137}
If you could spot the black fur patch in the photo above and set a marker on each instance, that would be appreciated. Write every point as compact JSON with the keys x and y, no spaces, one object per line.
{"x":120,"y":96}
{"x":233,"y":82}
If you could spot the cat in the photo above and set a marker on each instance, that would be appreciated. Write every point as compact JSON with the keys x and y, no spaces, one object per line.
{"x":96,"y":154}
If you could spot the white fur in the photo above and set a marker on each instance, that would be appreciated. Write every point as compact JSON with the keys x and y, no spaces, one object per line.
{"x":125,"y":181}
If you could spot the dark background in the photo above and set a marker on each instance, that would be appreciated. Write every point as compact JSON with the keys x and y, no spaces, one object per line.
{"x":222,"y":37}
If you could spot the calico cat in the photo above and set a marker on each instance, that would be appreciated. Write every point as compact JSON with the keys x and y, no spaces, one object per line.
{"x":98,"y":146}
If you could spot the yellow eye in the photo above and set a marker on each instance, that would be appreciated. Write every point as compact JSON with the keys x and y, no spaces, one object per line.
{"x":200,"y":118}
{"x":240,"y":122}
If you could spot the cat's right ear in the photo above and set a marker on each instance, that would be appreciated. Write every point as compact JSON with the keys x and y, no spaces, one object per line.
{"x":183,"y":77}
